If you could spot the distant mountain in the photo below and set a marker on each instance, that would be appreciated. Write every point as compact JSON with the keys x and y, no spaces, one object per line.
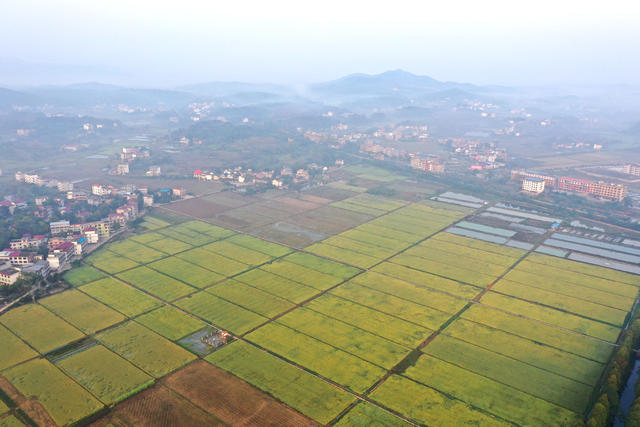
{"x":396,"y":82}
{"x":221,"y":89}
{"x":10,"y":98}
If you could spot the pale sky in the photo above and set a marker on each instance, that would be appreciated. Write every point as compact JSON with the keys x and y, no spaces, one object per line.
{"x":184,"y":41}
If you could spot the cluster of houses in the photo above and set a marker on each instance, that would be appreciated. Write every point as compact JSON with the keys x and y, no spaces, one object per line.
{"x":43,"y":182}
{"x":240,"y":177}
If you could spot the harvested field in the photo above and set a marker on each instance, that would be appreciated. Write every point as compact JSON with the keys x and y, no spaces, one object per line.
{"x":296,"y":388}
{"x":158,"y":407}
{"x":231,"y":399}
{"x":200,"y":207}
{"x":288,"y":234}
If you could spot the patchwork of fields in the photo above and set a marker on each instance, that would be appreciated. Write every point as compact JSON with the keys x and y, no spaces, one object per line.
{"x":388,"y":319}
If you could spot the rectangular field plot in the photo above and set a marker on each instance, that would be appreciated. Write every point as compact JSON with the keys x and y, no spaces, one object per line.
{"x":169,"y":245}
{"x":454,"y":269}
{"x":188,"y":236}
{"x":304,"y":275}
{"x":253,"y":243}
{"x":155,"y":283}
{"x":231,"y":399}
{"x":534,"y":353}
{"x":400,"y":299}
{"x":120,"y":296}
{"x":145,"y":349}
{"x":392,"y":328}
{"x":276,"y":285}
{"x":388,"y":242}
{"x":152,"y":223}
{"x":365,"y":345}
{"x":370,"y":249}
{"x":13,"y":350}
{"x":187,"y":272}
{"x":501,"y":400}
{"x":467,"y":242}
{"x":562,"y":391}
{"x":214,"y":262}
{"x":377,"y":231}
{"x":250,"y":298}
{"x":427,"y":406}
{"x":236,"y":252}
{"x":221,"y":313}
{"x":170,"y":322}
{"x":40,"y":328}
{"x":136,"y":251}
{"x":427,"y":280}
{"x":578,"y":306}
{"x":82,"y":311}
{"x":317,"y":356}
{"x":322,"y":265}
{"x":110,"y":261}
{"x":484,"y":252}
{"x":208,"y":229}
{"x":80,"y":275}
{"x":343,"y":255}
{"x":530,"y":268}
{"x":567,"y":341}
{"x":105,"y":374}
{"x":66,"y":401}
{"x":583,"y":290}
{"x":365,"y":414}
{"x":147,"y":237}
{"x":582,"y":268}
{"x":295,"y":387}
{"x":552,"y":316}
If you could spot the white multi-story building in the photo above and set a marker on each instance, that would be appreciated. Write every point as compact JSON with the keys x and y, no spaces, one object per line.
{"x":533,"y":185}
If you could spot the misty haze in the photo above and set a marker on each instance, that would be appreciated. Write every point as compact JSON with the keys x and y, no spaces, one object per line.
{"x":333,"y":214}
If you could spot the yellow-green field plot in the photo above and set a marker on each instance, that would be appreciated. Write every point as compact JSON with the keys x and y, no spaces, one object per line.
{"x":80,"y":275}
{"x":145,"y":349}
{"x":568,"y":341}
{"x":317,"y":356}
{"x":120,"y":296}
{"x":136,"y":251}
{"x":370,"y":347}
{"x":110,"y":261}
{"x":322,"y":265}
{"x":343,"y":255}
{"x":277,"y":285}
{"x":488,"y":395}
{"x":152,"y":223}
{"x":169,"y":245}
{"x":196,"y":233}
{"x":365,"y":414}
{"x":156,"y":284}
{"x":237,"y":252}
{"x":214,"y":262}
{"x":302,"y":391}
{"x":66,"y":401}
{"x":106,"y":375}
{"x":252,"y":299}
{"x":170,"y":322}
{"x":40,"y":328}
{"x":301,"y":274}
{"x":82,"y":311}
{"x":13,"y":350}
{"x":427,"y":406}
{"x":552,"y":316}
{"x":268,"y":248}
{"x":221,"y":313}
{"x":373,"y":173}
{"x":582,"y":268}
{"x":534,"y":353}
{"x":186,"y":272}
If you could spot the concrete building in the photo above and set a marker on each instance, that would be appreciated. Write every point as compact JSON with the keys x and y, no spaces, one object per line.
{"x":428,"y":164}
{"x":122,"y":169}
{"x":8,"y":276}
{"x":549,"y":180}
{"x":58,"y":227}
{"x":65,"y":186}
{"x":605,"y":190}
{"x":40,"y":268}
{"x":632,"y":169}
{"x":533,"y":185}
{"x":153,"y":171}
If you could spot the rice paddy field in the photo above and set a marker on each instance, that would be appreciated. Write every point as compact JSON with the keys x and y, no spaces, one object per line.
{"x":384,"y":319}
